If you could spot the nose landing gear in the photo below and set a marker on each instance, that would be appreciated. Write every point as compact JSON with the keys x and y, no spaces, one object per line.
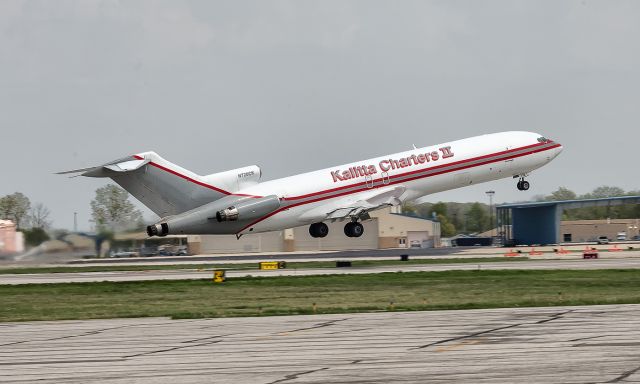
{"x":523,"y":185}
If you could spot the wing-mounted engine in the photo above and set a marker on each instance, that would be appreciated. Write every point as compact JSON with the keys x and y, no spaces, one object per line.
{"x":235,"y":179}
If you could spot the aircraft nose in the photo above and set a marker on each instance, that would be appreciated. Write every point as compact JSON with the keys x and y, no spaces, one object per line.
{"x":557,"y":150}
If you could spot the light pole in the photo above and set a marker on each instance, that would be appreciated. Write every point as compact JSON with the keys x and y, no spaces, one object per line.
{"x":490,"y":194}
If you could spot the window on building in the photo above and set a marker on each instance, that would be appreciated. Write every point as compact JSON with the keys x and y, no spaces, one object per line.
{"x":566,"y":237}
{"x":402,"y":241}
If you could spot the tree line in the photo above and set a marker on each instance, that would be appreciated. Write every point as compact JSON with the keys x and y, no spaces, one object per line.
{"x":111,"y":211}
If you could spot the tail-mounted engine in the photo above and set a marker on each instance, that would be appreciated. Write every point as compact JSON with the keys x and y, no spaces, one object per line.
{"x":250,"y":208}
{"x":202,"y":219}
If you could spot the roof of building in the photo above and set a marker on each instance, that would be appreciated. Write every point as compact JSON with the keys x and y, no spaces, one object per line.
{"x":412,"y":216}
{"x":569,"y":204}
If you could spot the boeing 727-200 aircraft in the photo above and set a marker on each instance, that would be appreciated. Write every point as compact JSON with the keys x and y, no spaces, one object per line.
{"x":236,"y":202}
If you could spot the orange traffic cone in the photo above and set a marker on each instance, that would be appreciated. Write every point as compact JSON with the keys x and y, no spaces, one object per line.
{"x":562,"y":251}
{"x":533,"y":252}
{"x":512,"y":253}
{"x":615,"y":248}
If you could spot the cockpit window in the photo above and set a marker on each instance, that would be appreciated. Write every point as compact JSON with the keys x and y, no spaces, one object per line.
{"x":543,"y":139}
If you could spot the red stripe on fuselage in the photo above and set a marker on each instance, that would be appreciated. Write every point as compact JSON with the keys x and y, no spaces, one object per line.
{"x":406,"y":180}
{"x":415,"y":171}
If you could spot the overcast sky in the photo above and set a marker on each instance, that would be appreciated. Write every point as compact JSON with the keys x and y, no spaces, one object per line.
{"x":295,"y":86}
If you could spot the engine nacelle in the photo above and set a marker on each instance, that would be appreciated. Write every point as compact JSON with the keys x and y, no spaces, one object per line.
{"x":250,"y":208}
{"x":211,"y":218}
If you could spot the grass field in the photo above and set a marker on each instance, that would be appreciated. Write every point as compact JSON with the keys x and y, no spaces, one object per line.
{"x":290,"y":265}
{"x":331,"y":294}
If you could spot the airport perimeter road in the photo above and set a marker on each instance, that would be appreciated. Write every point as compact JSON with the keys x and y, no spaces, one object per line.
{"x":79,"y":277}
{"x":594,"y":344}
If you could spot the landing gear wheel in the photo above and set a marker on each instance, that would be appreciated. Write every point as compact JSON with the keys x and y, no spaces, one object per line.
{"x":318,"y":230}
{"x":523,"y":185}
{"x":353,"y":229}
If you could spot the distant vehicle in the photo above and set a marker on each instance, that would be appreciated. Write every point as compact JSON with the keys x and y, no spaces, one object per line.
{"x":622,"y":236}
{"x":148,"y":251}
{"x":415,"y":244}
{"x":124,"y":254}
{"x":636,"y":237}
{"x":603,"y":240}
{"x":237,"y":202}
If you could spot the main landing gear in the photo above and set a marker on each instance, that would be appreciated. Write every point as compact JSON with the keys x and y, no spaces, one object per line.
{"x":523,"y":185}
{"x":318,"y":230}
{"x":353,"y":229}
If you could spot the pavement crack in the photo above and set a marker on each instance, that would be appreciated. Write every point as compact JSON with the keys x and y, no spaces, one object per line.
{"x":551,"y":318}
{"x":586,"y":338}
{"x":294,"y":376}
{"x":204,"y":338}
{"x":316,"y":326}
{"x":624,"y":375}
{"x":171,"y":349}
{"x":554,"y":317}
{"x":467,"y":336}
{"x":87,"y":333}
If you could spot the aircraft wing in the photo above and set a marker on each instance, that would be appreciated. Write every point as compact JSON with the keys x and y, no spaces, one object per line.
{"x":356,"y":206}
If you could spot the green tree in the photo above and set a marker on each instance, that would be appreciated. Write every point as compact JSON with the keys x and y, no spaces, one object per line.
{"x":39,"y":216}
{"x":35,"y":236}
{"x":111,"y":210}
{"x":15,"y":207}
{"x":605,"y":191}
{"x":562,"y":193}
{"x":439,"y":208}
{"x":477,"y":218}
{"x":447,"y":229}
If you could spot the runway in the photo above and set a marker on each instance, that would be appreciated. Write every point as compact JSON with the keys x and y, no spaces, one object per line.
{"x":592,"y":344}
{"x":609,"y":263}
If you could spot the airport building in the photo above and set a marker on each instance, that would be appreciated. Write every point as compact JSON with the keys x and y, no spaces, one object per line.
{"x":388,"y":228}
{"x":11,"y":241}
{"x":539,"y":222}
{"x":590,"y":230}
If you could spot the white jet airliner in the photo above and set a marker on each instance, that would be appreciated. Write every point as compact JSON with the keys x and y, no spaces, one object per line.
{"x":236,"y":202}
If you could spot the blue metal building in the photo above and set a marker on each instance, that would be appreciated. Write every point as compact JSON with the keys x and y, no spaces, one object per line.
{"x":539,"y":222}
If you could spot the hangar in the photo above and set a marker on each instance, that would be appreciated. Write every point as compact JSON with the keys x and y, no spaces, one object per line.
{"x":539,"y":222}
{"x":388,"y":228}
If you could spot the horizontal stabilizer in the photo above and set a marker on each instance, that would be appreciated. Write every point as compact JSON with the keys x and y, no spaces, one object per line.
{"x":125,"y":164}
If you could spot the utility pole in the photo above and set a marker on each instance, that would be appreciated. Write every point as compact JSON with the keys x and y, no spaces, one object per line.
{"x":75,"y":222}
{"x":490,"y":194}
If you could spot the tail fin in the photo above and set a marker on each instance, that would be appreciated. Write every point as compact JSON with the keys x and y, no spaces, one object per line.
{"x":162,"y":186}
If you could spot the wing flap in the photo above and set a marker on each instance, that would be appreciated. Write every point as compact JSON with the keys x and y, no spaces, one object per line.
{"x":356,"y":206}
